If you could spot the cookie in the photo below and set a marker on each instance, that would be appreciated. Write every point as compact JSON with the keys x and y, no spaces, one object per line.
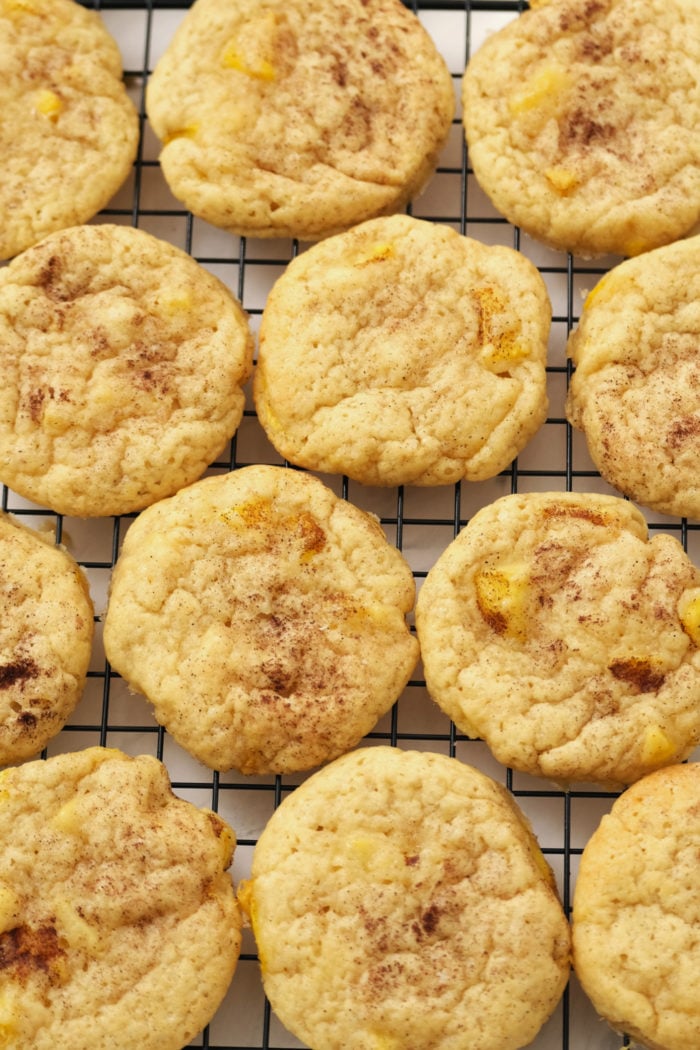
{"x":403,"y":353}
{"x":555,"y":629}
{"x":635,"y":393}
{"x":46,"y":637}
{"x":118,"y":921}
{"x":399,"y":899}
{"x":69,"y":131}
{"x":581,"y":120}
{"x":274,"y":123}
{"x":637,"y":911}
{"x":122,"y":370}
{"x":263,"y":617}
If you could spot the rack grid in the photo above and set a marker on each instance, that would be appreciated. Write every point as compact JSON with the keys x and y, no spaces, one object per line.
{"x":419,"y":522}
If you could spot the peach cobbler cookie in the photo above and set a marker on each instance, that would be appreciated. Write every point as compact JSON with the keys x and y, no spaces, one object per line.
{"x":582,"y":117}
{"x":637,"y":912}
{"x":400,"y":899}
{"x":119,"y":925}
{"x":403,"y":353}
{"x":69,"y":131}
{"x":635,"y":393}
{"x":123,"y":364}
{"x":46,"y":633}
{"x":263,"y":617}
{"x":299,"y":118}
{"x":554,"y":628}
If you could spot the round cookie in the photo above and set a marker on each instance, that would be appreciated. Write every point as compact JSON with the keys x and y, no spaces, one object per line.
{"x":46,"y":636}
{"x":276,"y":124}
{"x":119,"y":926}
{"x":637,"y":912}
{"x":264,"y":619}
{"x":635,"y":393}
{"x":403,"y":353}
{"x":123,"y":361}
{"x":556,"y":630}
{"x":582,"y":120}
{"x":399,"y":899}
{"x":69,"y":131}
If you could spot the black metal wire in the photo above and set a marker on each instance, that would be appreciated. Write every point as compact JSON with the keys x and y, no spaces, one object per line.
{"x":249,"y":259}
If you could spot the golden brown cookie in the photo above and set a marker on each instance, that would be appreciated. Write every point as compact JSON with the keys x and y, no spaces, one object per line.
{"x":123,"y":365}
{"x":69,"y":131}
{"x":299,"y":118}
{"x":403,"y":353}
{"x":119,"y":925}
{"x":263,"y":617}
{"x":46,"y":635}
{"x":582,"y":119}
{"x":554,"y":628}
{"x":637,"y":912}
{"x":399,"y":899}
{"x":635,"y":393}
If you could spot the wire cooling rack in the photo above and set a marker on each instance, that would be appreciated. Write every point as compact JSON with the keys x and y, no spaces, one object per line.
{"x":419,"y":522}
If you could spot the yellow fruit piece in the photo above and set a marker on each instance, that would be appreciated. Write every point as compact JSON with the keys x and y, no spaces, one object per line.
{"x":561,"y":179}
{"x":375,"y":253}
{"x":373,"y":857}
{"x":67,"y":819}
{"x":502,"y":595}
{"x":258,"y":513}
{"x":253,"y":513}
{"x":657,"y":747}
{"x":385,"y":1042}
{"x":57,"y":418}
{"x":245,"y":897}
{"x":74,"y":929}
{"x":601,"y":292}
{"x":497,"y":356}
{"x":7,"y":1033}
{"x":689,"y":611}
{"x":544,"y":91}
{"x":8,"y":1018}
{"x":177,"y":304}
{"x":360,"y":617}
{"x":48,"y":104}
{"x":188,"y":132}
{"x":635,"y":246}
{"x":272,"y":420}
{"x":16,"y":7}
{"x":362,"y":849}
{"x":252,"y":51}
{"x":262,"y":70}
{"x":226,"y":839}
{"x":497,"y":335}
{"x":248,"y":905}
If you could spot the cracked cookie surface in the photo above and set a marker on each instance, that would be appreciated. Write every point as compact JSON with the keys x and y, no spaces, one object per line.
{"x":637,"y":911}
{"x":582,"y":120}
{"x":275,"y":124}
{"x":118,"y":921}
{"x":123,"y":365}
{"x":554,"y":628}
{"x":69,"y":131}
{"x":635,"y":392}
{"x":401,"y":352}
{"x":400,"y":899}
{"x":263,"y":617}
{"x":45,"y":639}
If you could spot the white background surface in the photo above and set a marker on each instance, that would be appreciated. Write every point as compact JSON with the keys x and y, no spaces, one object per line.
{"x":422,"y":522}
